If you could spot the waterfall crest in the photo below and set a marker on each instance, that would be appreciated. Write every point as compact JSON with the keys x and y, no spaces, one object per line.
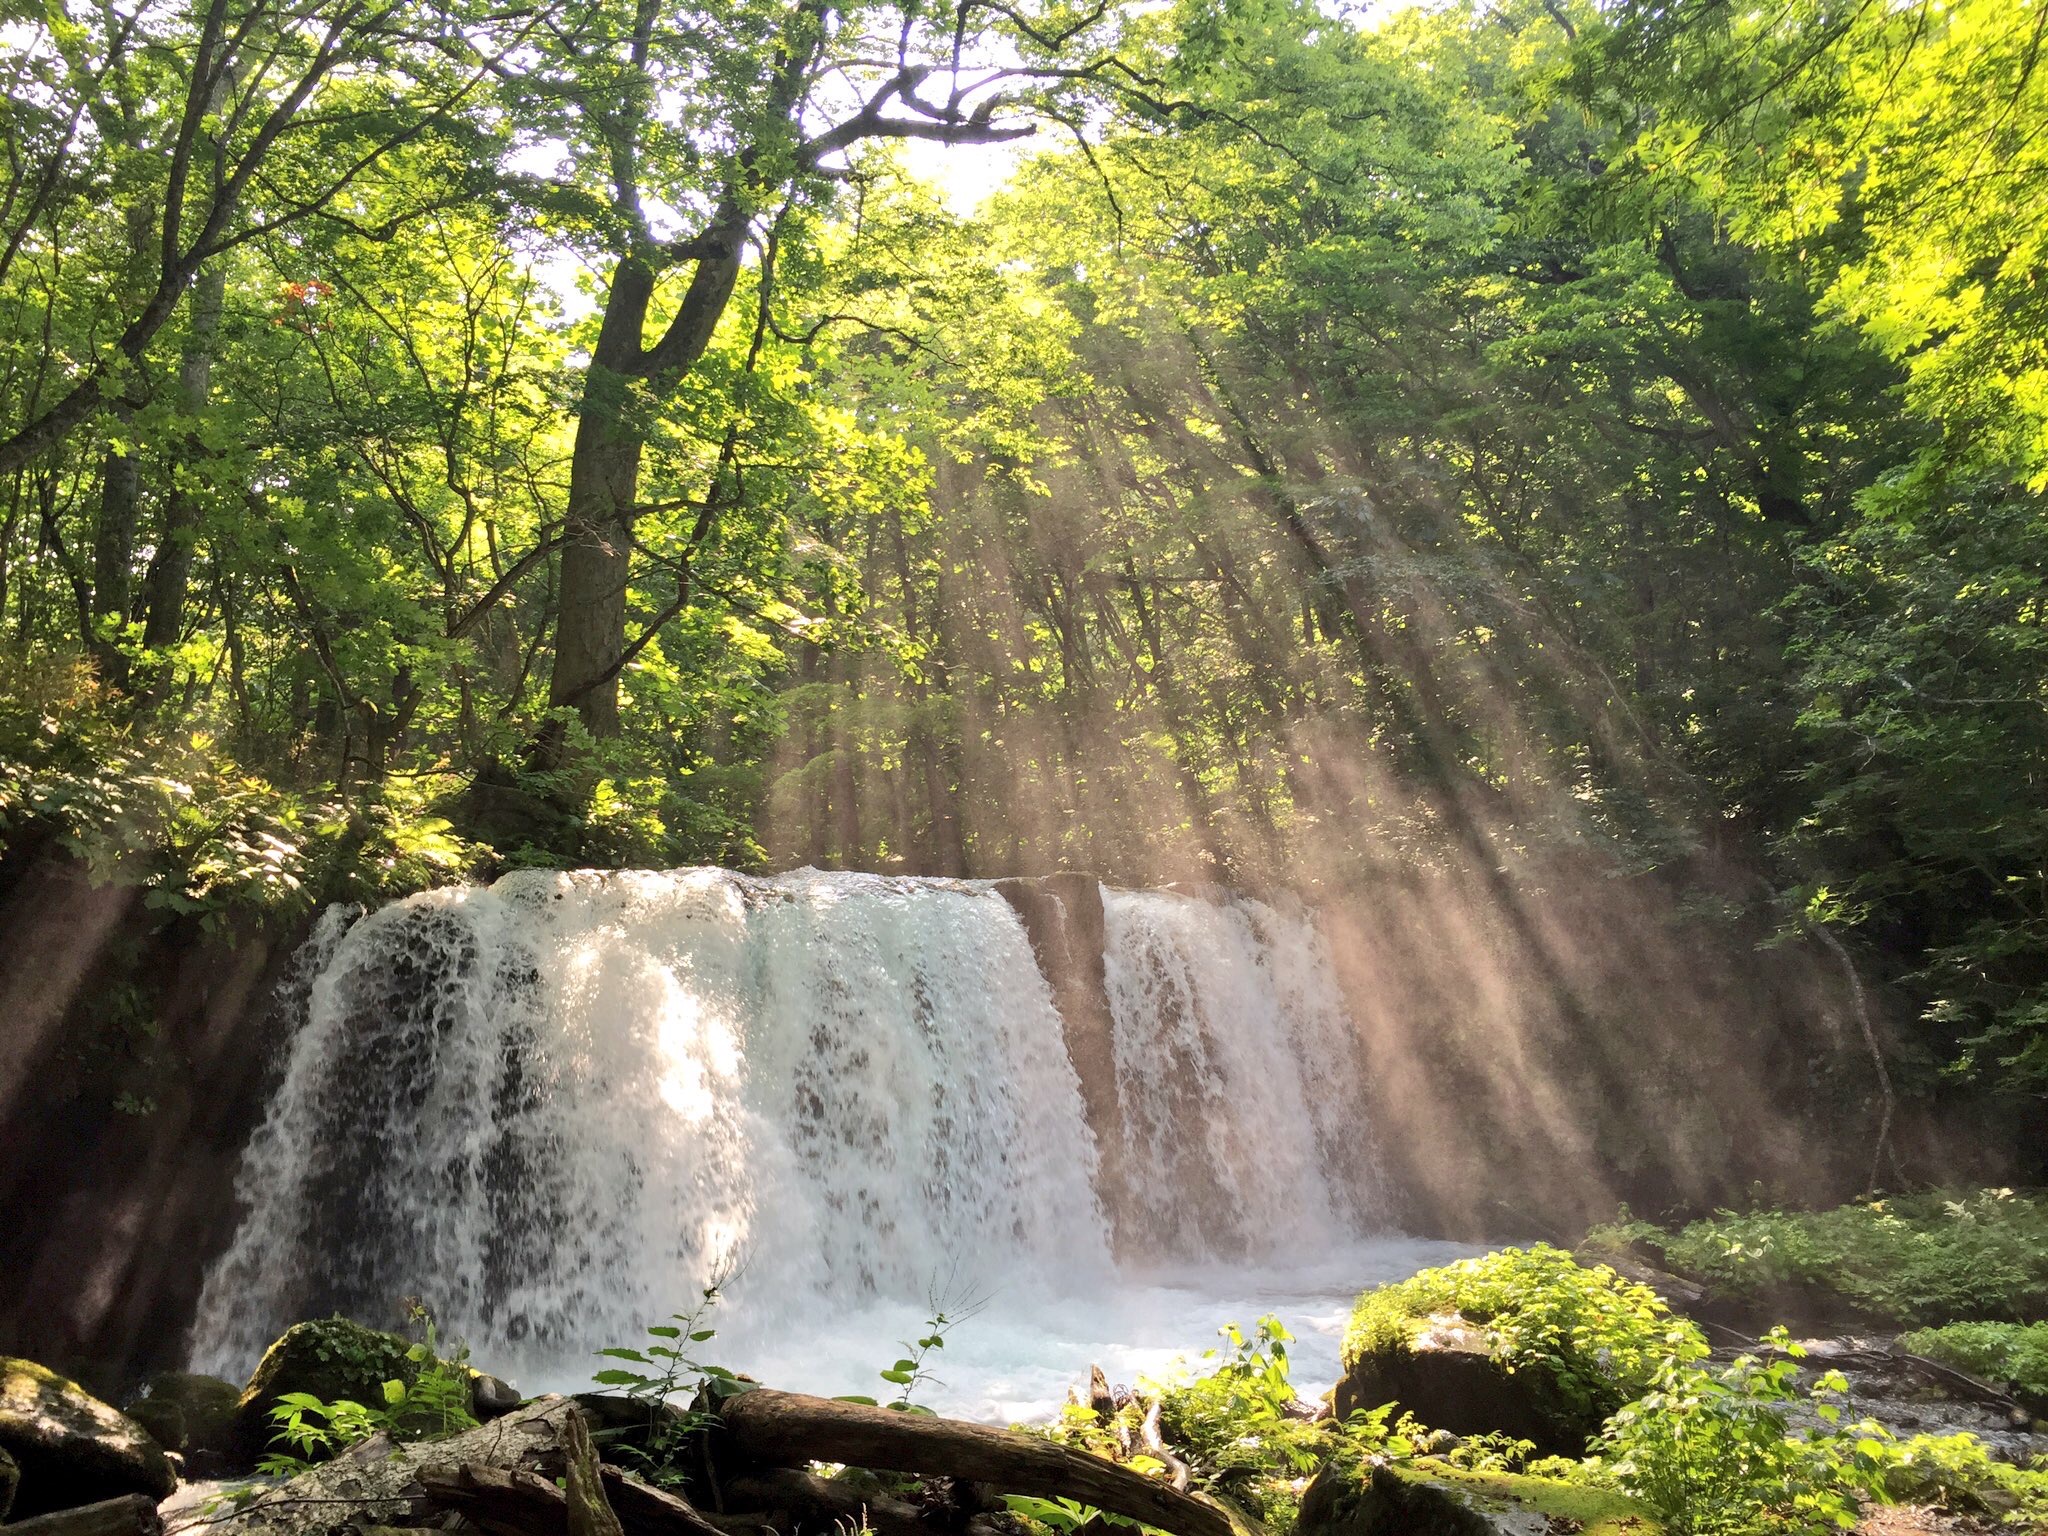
{"x":553,"y":1107}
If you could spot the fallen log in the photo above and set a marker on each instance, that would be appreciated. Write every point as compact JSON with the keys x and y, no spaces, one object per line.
{"x":516,"y":1503}
{"x":499,"y":1500}
{"x":645,"y":1510}
{"x":133,"y":1514}
{"x":789,"y":1429}
{"x":792,"y":1500}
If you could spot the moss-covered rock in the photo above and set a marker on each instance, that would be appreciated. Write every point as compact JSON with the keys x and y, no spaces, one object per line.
{"x":193,"y":1415}
{"x":332,"y":1359}
{"x":72,"y":1448}
{"x":1353,"y":1497}
{"x":1525,"y":1343}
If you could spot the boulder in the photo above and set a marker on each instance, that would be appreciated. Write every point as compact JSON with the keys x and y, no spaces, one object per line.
{"x":1448,"y":1378}
{"x":1354,"y":1497}
{"x":333,"y":1359}
{"x":490,"y":1397}
{"x":72,"y":1448}
{"x":10,"y":1479}
{"x":190,"y":1414}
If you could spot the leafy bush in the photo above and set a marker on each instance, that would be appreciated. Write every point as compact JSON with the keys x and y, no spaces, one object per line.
{"x":1236,"y":1428}
{"x":1915,"y":1260}
{"x":1960,"y":1472}
{"x":174,"y":814}
{"x":1602,"y":1338}
{"x":1712,"y":1452}
{"x":2002,"y":1352}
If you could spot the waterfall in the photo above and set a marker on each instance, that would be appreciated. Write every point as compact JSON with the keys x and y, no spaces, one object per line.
{"x":554,"y":1107}
{"x":1239,"y":1078}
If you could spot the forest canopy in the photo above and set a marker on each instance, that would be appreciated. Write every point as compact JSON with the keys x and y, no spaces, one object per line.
{"x":438,"y":436}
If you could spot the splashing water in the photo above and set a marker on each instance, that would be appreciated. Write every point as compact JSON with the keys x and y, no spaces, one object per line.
{"x":552,"y":1108}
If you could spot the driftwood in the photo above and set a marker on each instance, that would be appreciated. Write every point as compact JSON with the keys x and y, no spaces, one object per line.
{"x":378,"y":1483}
{"x":645,"y":1510}
{"x":1155,"y":1447}
{"x":132,"y":1515}
{"x":789,"y":1428}
{"x":1100,"y":1398}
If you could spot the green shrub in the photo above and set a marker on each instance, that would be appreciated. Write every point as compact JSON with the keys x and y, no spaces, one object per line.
{"x":2001,"y":1352}
{"x":1711,"y":1450}
{"x":174,"y":813}
{"x":428,"y":1399}
{"x":1959,"y":1472}
{"x":1602,"y":1338}
{"x":1235,"y":1428}
{"x":1915,"y":1260}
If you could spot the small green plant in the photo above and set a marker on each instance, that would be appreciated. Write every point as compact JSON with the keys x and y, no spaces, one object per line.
{"x":1712,"y":1452}
{"x":312,"y":1430}
{"x":672,"y":1370}
{"x":912,"y":1368}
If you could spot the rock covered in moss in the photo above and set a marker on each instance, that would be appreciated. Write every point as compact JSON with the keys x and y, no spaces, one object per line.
{"x":191,"y":1414}
{"x":70,"y":1447}
{"x":332,"y":1359}
{"x":1353,"y":1497}
{"x":1525,"y":1343}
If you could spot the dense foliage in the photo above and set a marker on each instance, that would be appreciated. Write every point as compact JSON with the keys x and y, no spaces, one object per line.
{"x":2008,"y":1354}
{"x":1913,"y":1261}
{"x":1600,"y":1337}
{"x":571,"y":434}
{"x":1759,"y":1443}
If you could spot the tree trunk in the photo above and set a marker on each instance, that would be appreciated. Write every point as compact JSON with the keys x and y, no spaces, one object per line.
{"x":170,"y":569}
{"x":113,"y":554}
{"x":604,"y":486}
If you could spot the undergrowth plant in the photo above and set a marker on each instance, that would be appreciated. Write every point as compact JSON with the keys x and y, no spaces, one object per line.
{"x":433,"y":1405}
{"x":2012,"y":1354}
{"x":671,"y":1370}
{"x":1912,"y":1260}
{"x":1713,"y":1452}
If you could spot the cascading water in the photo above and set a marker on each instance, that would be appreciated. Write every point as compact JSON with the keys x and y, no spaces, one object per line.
{"x":1239,"y":1079}
{"x":553,"y":1108}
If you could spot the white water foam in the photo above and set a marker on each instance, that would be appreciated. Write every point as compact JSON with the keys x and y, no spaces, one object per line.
{"x":553,"y":1107}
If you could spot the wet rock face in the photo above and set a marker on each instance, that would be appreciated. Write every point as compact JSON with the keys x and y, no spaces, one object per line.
{"x":72,"y":1448}
{"x":190,"y":1414}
